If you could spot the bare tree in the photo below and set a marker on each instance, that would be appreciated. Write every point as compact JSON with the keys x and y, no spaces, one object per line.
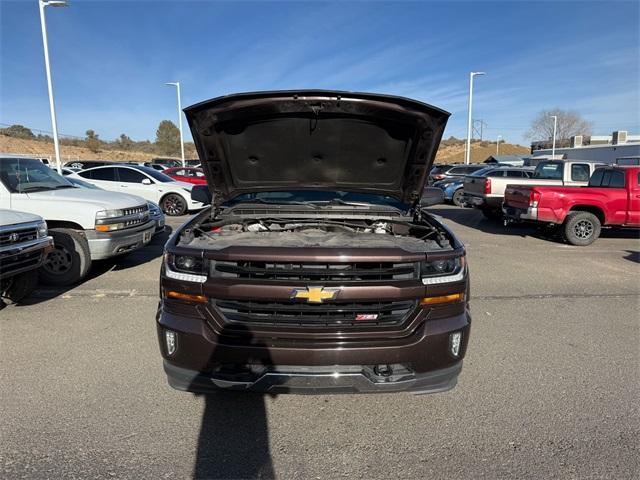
{"x":569,"y":123}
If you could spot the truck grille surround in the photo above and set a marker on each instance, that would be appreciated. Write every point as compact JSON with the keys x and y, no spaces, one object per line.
{"x":18,"y":236}
{"x":335,"y":314}
{"x":300,"y":313}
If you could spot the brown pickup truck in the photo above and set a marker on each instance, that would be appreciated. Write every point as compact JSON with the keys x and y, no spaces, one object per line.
{"x":317,"y":268}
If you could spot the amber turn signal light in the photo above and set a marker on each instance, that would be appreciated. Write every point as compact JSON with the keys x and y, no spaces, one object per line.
{"x":454,"y":297}
{"x":187,"y":297}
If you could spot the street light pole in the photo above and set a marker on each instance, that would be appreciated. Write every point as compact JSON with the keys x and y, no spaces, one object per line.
{"x":553,"y":144}
{"x":467,"y":153}
{"x":54,"y":124}
{"x":498,"y":144}
{"x":177,"y":85}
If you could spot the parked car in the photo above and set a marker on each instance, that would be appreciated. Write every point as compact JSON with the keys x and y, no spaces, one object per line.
{"x":85,"y":224}
{"x":322,"y":275}
{"x":448,"y":172}
{"x":155,"y":213}
{"x":485,"y":188}
{"x":173,"y":197}
{"x":187,"y":174}
{"x":611,"y":199}
{"x":155,"y":166}
{"x":452,"y":190}
{"x":24,"y":245}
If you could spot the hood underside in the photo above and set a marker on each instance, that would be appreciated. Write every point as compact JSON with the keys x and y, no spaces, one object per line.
{"x":325,"y":140}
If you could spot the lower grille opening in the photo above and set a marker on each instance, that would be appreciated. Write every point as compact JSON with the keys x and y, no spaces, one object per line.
{"x":343,"y":314}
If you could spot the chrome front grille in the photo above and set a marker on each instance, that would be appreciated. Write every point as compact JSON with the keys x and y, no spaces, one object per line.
{"x":18,"y":236}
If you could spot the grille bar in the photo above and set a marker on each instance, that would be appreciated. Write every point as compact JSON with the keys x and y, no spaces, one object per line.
{"x":383,"y":313}
{"x":316,"y":271}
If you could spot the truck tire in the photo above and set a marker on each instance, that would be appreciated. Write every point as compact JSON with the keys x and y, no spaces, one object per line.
{"x":21,"y":286}
{"x":173,"y":205}
{"x":70,"y":260}
{"x":457,"y":197}
{"x":581,"y":228}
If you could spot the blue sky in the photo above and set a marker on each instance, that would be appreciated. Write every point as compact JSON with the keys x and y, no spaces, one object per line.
{"x":110,"y":59}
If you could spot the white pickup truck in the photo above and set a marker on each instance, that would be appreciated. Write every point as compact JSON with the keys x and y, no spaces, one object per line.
{"x":486,"y":192}
{"x":85,"y":224}
{"x":24,"y":245}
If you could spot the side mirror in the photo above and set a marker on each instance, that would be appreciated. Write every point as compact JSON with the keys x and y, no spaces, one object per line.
{"x":431,"y":196}
{"x":201,"y":193}
{"x":146,"y":181}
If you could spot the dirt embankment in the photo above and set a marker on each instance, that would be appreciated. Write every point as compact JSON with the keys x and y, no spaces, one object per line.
{"x":45,"y":149}
{"x":446,"y":153}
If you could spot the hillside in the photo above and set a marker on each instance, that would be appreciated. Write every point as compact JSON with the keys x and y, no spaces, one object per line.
{"x":449,"y":152}
{"x":67,"y":152}
{"x":479,"y":153}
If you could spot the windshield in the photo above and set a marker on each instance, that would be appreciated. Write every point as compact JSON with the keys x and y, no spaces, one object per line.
{"x":549,"y":170}
{"x":155,"y":174}
{"x":317,"y":197}
{"x":21,"y":175}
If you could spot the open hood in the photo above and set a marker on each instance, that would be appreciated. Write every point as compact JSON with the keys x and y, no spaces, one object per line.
{"x":326,"y":140}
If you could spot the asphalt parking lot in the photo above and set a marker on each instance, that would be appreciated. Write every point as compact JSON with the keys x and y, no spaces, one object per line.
{"x":550,"y":386}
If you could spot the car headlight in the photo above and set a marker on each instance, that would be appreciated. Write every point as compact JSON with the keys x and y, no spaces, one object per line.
{"x":185,"y":267}
{"x":444,"y":270}
{"x":154,"y":208}
{"x":42,"y":229}
{"x":105,"y":214}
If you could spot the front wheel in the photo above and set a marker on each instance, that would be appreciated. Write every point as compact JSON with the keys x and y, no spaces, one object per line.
{"x":174,"y":205}
{"x":70,"y":259}
{"x":581,"y":228}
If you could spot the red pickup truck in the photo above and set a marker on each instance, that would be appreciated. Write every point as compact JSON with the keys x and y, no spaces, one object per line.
{"x":612,"y":198}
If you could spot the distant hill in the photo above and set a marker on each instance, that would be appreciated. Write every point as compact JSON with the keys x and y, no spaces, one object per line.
{"x":451,"y":150}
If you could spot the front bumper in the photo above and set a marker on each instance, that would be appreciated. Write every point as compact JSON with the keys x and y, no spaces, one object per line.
{"x":15,"y":259}
{"x":323,"y":380}
{"x":109,"y":244}
{"x":204,"y":361}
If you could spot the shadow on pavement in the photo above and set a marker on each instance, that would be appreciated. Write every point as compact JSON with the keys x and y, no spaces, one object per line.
{"x":149,"y":252}
{"x":632,"y":256}
{"x":233,"y":442}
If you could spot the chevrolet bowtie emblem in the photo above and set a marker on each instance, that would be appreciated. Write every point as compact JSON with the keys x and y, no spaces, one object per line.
{"x":315,"y":294}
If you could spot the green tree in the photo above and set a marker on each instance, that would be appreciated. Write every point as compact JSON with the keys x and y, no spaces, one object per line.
{"x":124,"y":142}
{"x":168,"y":138}
{"x":17,"y":131}
{"x":92,"y":141}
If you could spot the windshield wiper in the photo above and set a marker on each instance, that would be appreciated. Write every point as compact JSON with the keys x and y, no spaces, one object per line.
{"x":64,"y":186}
{"x":32,"y":189}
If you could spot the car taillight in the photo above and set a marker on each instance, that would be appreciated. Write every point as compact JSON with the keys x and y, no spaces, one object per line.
{"x":534,"y":198}
{"x":487,"y":185}
{"x":438,"y":177}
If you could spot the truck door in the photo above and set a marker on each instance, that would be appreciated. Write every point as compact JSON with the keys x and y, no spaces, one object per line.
{"x":633,"y":181}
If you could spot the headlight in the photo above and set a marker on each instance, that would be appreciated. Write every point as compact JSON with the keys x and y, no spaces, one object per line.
{"x":104,"y":214}
{"x":42,"y":229}
{"x":442,"y":271}
{"x":154,"y":208}
{"x":185,"y":267}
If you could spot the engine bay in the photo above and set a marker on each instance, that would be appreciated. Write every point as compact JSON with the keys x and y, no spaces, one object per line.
{"x":409,"y":235}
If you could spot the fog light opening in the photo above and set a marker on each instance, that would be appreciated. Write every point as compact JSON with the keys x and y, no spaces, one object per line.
{"x":455,"y":340}
{"x":171,"y":341}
